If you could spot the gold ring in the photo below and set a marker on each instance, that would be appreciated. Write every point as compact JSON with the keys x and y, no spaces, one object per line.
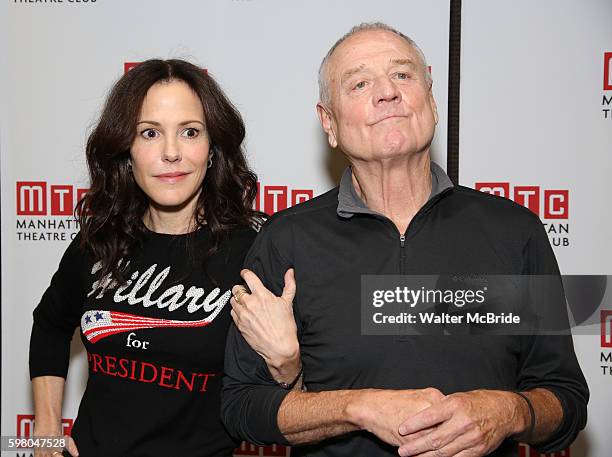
{"x":239,"y":294}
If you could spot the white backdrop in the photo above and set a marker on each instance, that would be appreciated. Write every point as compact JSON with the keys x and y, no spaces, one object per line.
{"x":58,"y":61}
{"x":533,"y":97}
{"x":532,"y":88}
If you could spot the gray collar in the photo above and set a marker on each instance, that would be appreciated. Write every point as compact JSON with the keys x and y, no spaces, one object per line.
{"x":349,"y":203}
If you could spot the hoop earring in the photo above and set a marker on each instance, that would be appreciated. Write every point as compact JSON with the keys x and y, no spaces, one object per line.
{"x":129,"y":166}
{"x":210,"y":162}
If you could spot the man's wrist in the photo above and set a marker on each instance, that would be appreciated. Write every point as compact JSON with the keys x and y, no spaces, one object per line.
{"x":355,"y":408}
{"x":522,"y":416}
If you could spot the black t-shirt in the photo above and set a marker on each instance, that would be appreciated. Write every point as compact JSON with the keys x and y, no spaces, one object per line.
{"x":154,"y":344}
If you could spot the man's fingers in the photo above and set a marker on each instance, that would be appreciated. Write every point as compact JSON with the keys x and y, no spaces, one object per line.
{"x":445,"y":439}
{"x":465,"y":453}
{"x":455,"y":448}
{"x":253,"y":282}
{"x":414,"y":436}
{"x":290,"y":286}
{"x":427,"y":418}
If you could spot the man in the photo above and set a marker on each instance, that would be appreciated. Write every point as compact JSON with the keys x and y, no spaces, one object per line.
{"x":394,"y":212}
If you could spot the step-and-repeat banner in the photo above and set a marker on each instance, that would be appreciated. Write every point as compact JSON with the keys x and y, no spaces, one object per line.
{"x":536,"y":127}
{"x":60,"y":58}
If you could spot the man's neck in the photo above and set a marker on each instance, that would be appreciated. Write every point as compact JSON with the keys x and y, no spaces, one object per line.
{"x":396,"y":188}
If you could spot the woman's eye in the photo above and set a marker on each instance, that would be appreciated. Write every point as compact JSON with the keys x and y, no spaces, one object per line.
{"x":149,"y":134}
{"x":402,"y":76}
{"x":360,"y":85}
{"x":190,"y":132}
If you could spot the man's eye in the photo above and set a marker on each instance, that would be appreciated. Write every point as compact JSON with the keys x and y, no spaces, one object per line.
{"x":403,"y":76}
{"x":191,"y":132}
{"x":360,"y":85}
{"x":149,"y":134}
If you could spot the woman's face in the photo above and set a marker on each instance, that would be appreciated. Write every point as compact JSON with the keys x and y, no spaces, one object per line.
{"x":171,"y":148}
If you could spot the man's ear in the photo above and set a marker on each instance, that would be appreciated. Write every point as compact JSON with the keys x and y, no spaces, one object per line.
{"x":432,"y":103}
{"x":325,"y":117}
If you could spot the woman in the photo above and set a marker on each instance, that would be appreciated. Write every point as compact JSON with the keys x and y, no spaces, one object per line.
{"x":164,"y":231}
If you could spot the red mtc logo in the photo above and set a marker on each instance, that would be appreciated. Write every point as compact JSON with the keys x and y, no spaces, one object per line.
{"x":606,"y":329}
{"x":555,"y":202}
{"x":35,"y":198}
{"x":526,"y":451}
{"x":25,"y":425}
{"x":271,"y":199}
{"x":127,"y":66}
{"x":608,"y":71}
{"x":274,"y":450}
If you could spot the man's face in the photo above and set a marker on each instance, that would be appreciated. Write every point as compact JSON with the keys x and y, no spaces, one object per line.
{"x":381,"y":105}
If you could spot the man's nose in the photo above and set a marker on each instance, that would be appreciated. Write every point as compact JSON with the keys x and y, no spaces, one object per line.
{"x":171,"y":152}
{"x":386,"y":91}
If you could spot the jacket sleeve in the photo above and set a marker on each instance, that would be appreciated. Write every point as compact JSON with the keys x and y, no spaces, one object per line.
{"x":549,"y":361}
{"x":57,"y":315}
{"x":250,"y":397}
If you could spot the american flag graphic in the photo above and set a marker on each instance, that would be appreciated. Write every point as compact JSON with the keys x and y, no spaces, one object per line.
{"x":98,"y":324}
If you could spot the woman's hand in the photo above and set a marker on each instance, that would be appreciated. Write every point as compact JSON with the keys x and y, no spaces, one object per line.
{"x":47,"y":431}
{"x":48,"y":393}
{"x":267,"y":324}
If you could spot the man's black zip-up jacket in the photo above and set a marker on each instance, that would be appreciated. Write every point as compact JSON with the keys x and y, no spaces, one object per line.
{"x":334,"y":239}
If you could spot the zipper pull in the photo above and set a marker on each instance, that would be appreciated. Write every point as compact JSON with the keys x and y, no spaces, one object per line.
{"x":402,"y":239}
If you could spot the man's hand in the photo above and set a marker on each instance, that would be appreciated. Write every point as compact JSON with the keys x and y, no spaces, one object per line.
{"x":464,"y":424}
{"x":266,"y":322}
{"x":381,"y":411}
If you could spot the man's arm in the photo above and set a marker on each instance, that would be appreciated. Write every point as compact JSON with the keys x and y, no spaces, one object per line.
{"x":305,"y":417}
{"x":255,"y":408}
{"x":549,"y":376}
{"x":251,"y":397}
{"x":546,"y":417}
{"x":549,"y":361}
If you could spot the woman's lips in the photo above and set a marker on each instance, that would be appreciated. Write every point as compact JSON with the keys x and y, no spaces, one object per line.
{"x":171,"y":178}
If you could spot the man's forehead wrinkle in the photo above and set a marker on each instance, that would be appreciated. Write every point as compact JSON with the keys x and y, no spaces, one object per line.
{"x":404,"y":61}
{"x":351,"y":71}
{"x":361,"y":67}
{"x":358,"y":50}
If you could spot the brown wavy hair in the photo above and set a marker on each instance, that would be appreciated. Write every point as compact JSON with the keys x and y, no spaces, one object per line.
{"x":111,"y":213}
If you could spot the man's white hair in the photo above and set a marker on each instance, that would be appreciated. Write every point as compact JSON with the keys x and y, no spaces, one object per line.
{"x":365,"y":27}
